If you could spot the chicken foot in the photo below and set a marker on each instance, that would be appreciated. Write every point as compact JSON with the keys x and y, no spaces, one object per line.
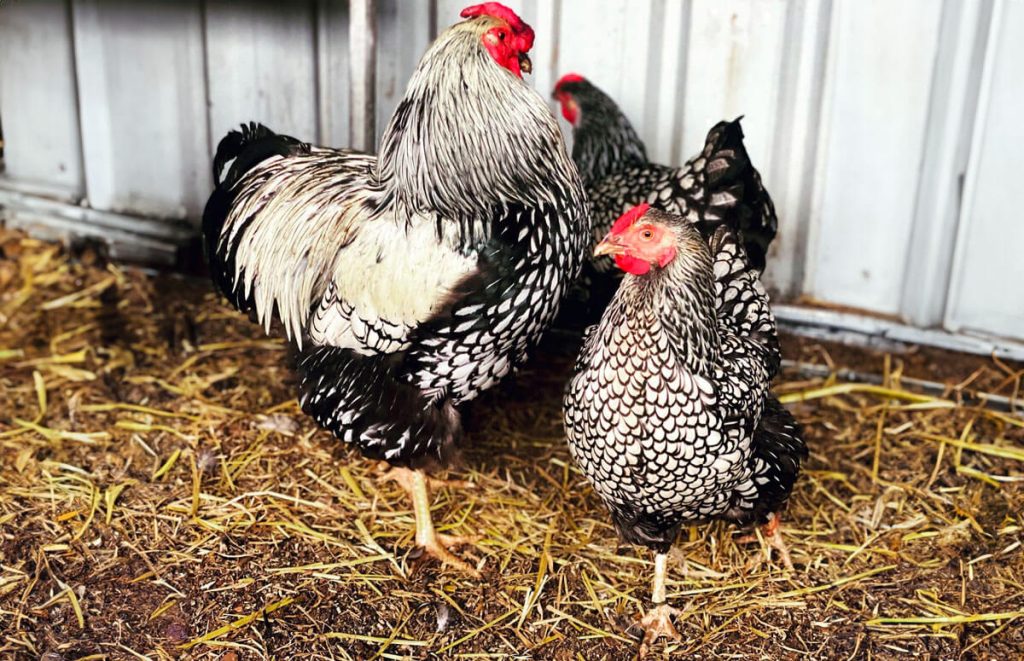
{"x":657,"y":622}
{"x":773,"y":538}
{"x":417,"y":484}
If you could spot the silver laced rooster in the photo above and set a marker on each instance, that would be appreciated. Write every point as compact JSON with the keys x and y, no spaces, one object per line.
{"x":668,"y":413}
{"x":413,"y":280}
{"x":718,"y":186}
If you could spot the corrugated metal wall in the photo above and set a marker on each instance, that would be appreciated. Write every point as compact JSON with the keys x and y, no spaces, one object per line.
{"x":886,"y":131}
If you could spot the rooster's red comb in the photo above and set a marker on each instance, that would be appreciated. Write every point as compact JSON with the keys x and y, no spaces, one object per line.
{"x":630,"y":217}
{"x":500,"y":11}
{"x":569,"y":78}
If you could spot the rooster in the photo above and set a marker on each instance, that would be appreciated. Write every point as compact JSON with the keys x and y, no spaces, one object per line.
{"x":668,"y":413}
{"x":717,"y":186}
{"x":410,"y":281}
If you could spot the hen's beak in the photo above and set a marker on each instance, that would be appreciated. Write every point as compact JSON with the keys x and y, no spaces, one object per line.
{"x":609,"y":246}
{"x":525,"y":65}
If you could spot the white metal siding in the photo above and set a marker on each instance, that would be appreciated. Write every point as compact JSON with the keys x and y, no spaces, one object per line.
{"x":987,"y":292}
{"x":143,"y":106}
{"x":261,"y":64}
{"x":38,"y":100}
{"x":863,"y":115}
{"x":876,"y":100}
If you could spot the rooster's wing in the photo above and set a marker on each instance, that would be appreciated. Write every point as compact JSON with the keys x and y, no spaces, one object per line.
{"x":299,"y":235}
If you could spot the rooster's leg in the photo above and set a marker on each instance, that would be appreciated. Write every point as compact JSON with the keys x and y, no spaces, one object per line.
{"x":773,"y":538}
{"x":433,"y":543}
{"x":657,"y":622}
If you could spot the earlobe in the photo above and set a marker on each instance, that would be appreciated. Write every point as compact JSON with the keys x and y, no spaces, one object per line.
{"x":666,"y":256}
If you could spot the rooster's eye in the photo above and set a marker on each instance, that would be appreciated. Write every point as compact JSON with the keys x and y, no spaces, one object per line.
{"x":501,"y":35}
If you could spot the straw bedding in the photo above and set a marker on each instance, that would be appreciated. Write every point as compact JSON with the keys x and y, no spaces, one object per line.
{"x":161,"y":496}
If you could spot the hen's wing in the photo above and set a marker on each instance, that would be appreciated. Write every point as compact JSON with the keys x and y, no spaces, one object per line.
{"x":750,"y":359}
{"x":742,"y":303}
{"x":749,"y":344}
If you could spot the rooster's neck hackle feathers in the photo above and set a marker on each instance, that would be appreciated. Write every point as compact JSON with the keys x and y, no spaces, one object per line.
{"x":462,"y":155}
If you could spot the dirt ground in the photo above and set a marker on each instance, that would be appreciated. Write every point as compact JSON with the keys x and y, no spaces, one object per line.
{"x":161,"y":496}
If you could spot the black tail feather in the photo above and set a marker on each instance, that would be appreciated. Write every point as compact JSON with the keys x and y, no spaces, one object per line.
{"x":237,"y":153}
{"x":249,"y":147}
{"x":730,"y":171}
{"x":779,"y":444}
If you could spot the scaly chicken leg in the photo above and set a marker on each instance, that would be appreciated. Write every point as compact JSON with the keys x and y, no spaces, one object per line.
{"x":773,"y":538}
{"x":657,"y":622}
{"x":417,"y":484}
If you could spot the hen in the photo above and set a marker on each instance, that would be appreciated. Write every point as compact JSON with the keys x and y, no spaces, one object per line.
{"x":718,"y":186}
{"x":668,"y":413}
{"x":413,"y":280}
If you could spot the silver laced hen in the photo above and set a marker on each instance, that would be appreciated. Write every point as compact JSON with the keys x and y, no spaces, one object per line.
{"x":669,"y":413}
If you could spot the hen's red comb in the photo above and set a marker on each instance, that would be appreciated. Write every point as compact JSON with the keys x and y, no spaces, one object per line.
{"x":500,"y":11}
{"x":569,"y":78}
{"x":630,"y":217}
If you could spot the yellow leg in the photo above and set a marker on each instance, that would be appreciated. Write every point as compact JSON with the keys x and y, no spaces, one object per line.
{"x":657,"y":622}
{"x":433,"y":543}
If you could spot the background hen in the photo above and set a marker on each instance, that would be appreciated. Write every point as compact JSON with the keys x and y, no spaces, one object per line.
{"x":718,"y":186}
{"x":412,"y":281}
{"x":669,"y":414}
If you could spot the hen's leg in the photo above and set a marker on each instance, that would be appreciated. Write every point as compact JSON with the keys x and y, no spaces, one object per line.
{"x":773,"y":538}
{"x":657,"y":622}
{"x":417,"y":483}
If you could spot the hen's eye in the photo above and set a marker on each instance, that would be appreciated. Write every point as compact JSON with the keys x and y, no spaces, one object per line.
{"x":646,"y":234}
{"x":501,"y":35}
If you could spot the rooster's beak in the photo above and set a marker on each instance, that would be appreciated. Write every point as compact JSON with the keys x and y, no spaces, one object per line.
{"x":525,"y":65}
{"x":609,"y":246}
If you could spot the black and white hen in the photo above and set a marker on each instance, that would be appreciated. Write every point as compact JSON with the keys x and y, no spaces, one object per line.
{"x":668,"y":413}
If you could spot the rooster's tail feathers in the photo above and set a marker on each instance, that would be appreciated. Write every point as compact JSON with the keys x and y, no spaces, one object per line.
{"x":237,"y":153}
{"x":244,"y":149}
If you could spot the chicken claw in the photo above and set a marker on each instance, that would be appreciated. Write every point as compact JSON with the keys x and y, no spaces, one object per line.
{"x":657,"y":623}
{"x":416,"y":483}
